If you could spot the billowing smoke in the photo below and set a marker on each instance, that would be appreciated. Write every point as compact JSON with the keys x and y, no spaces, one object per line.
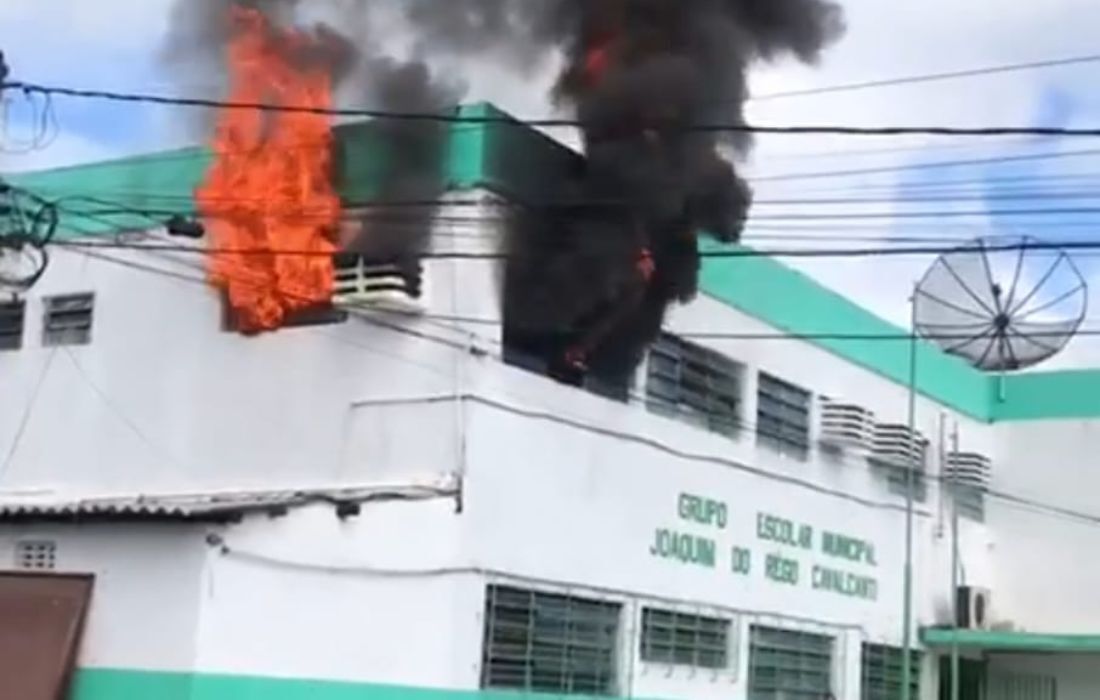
{"x":591,"y":276}
{"x":592,"y":267}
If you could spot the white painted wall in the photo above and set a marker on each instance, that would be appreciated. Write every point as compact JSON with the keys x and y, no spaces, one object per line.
{"x":1077,"y":676}
{"x":386,"y":597}
{"x":1046,"y":576}
{"x":146,"y":601}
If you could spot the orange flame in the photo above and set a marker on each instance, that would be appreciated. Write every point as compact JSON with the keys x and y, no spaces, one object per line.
{"x":268,"y":197}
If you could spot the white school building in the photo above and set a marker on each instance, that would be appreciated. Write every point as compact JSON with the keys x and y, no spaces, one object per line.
{"x":383,"y":505}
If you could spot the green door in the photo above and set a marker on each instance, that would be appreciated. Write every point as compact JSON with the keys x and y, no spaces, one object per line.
{"x":971,"y":679}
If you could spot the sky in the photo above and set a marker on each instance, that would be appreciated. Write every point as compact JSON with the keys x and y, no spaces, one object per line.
{"x":117,"y":45}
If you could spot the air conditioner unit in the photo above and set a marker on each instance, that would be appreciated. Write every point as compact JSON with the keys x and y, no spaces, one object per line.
{"x":846,"y":426}
{"x":968,"y":469}
{"x":973,"y":608}
{"x":896,"y":445}
{"x":392,"y":286}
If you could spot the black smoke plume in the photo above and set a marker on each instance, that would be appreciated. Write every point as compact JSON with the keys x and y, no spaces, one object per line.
{"x":591,"y":276}
{"x":593,"y":267}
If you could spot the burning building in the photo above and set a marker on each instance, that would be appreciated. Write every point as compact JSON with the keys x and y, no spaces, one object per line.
{"x":362,"y":504}
{"x":594,"y":260}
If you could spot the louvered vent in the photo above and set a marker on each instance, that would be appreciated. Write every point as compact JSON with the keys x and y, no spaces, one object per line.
{"x":897,"y":446}
{"x":396,"y":286}
{"x":968,"y":469}
{"x":846,"y":426}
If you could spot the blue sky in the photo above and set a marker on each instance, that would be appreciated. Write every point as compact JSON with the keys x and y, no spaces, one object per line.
{"x":115,"y":45}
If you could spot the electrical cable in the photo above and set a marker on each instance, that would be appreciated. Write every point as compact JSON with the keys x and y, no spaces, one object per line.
{"x":935,"y":165}
{"x":864,"y":252}
{"x":929,"y":77}
{"x":542,"y":123}
{"x":742,"y":425}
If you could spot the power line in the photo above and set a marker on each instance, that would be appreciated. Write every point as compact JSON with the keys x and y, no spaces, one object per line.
{"x":929,"y":77}
{"x":939,"y":480}
{"x":451,"y":118}
{"x":935,"y":165}
{"x":728,"y":253}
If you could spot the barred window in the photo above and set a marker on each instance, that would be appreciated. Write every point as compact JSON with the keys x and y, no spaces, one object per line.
{"x":970,"y":501}
{"x":882,"y":672}
{"x":685,"y":639}
{"x":898,"y":480}
{"x":789,"y":665}
{"x":695,"y":384}
{"x":783,"y":416}
{"x":12,"y":316}
{"x":550,"y":643}
{"x":68,"y":320}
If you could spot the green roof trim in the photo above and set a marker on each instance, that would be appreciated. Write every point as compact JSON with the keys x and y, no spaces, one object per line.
{"x":939,"y":637}
{"x":793,"y":302}
{"x":1047,"y":395}
{"x":501,"y":154}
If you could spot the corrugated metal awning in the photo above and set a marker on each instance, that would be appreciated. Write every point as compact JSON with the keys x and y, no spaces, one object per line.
{"x":210,"y":507}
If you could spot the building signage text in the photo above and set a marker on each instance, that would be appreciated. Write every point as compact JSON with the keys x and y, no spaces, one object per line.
{"x":784,"y":546}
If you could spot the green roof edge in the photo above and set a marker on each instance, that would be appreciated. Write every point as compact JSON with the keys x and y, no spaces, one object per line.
{"x":1010,"y":640}
{"x":505,"y":158}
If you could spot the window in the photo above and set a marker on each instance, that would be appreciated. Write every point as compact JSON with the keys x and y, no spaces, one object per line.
{"x":789,"y":665}
{"x":970,"y":500}
{"x":684,"y":639}
{"x":897,"y":481}
{"x":694,"y":383}
{"x":68,"y":320}
{"x":783,"y":416}
{"x":550,"y":643}
{"x":882,"y":671}
{"x":12,"y":316}
{"x":36,"y":555}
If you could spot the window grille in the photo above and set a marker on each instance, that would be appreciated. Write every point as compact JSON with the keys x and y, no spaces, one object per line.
{"x":550,"y":643}
{"x":68,"y":320}
{"x":12,"y":318}
{"x":684,"y":639}
{"x":970,"y":501}
{"x":882,"y":672}
{"x":783,"y":416}
{"x":695,"y":384}
{"x":897,"y":481}
{"x":36,"y":555}
{"x":789,"y":665}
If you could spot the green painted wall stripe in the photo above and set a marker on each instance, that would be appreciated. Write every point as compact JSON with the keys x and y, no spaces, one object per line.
{"x":118,"y":684}
{"x":524,"y":164}
{"x":1048,"y":395}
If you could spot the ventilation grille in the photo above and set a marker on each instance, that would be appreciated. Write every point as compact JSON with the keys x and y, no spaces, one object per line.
{"x":12,"y":317}
{"x":68,"y":320}
{"x":36,"y":555}
{"x":896,"y":445}
{"x":846,"y":426}
{"x":968,"y":469}
{"x":386,"y":285}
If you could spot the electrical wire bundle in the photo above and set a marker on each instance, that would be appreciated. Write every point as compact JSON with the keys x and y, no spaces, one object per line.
{"x":28,"y":224}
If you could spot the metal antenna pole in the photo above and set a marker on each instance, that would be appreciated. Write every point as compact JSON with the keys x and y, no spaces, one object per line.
{"x":955,"y":569}
{"x":910,"y":478}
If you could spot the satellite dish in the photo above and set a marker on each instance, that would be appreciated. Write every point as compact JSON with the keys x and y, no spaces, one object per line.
{"x":1001,"y":305}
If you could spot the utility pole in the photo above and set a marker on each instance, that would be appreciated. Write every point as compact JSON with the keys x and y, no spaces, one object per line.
{"x":910,"y":484}
{"x":955,"y":569}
